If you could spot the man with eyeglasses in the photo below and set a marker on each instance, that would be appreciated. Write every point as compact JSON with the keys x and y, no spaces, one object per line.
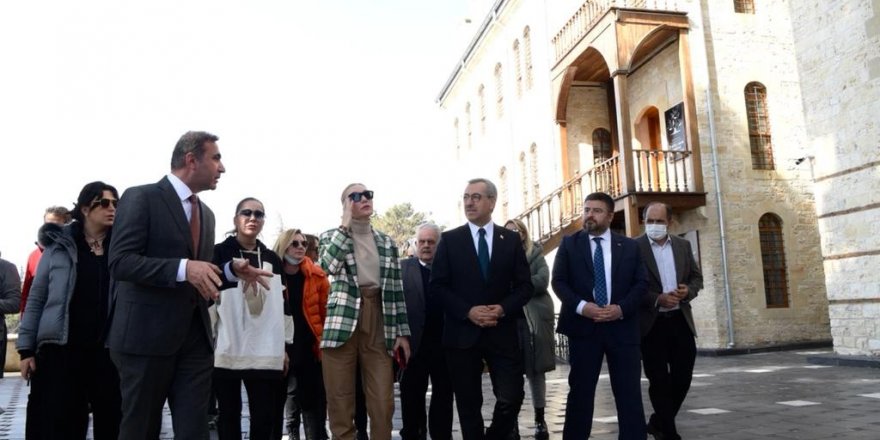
{"x":160,"y":335}
{"x":425,"y":315}
{"x":482,"y":278}
{"x":366,"y":319}
{"x":599,"y":277}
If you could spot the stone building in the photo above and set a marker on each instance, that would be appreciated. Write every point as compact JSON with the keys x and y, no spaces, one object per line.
{"x":719,"y":108}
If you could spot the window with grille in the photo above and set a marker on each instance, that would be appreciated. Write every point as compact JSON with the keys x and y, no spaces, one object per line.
{"x":744,"y":6}
{"x":758,"y":116}
{"x":773,"y":261}
{"x":601,"y":145}
{"x":527,"y":53}
{"x":533,"y":172}
{"x":523,"y":182}
{"x":467,"y":116}
{"x":481,"y":93}
{"x":499,"y":91}
{"x":502,"y":177}
{"x":456,"y":134}
{"x":517,"y":68}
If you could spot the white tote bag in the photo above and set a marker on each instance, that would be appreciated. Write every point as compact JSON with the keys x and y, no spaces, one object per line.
{"x":250,"y":327}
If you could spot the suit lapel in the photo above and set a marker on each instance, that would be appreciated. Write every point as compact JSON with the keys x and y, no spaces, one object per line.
{"x":679,"y":252}
{"x":175,"y":207}
{"x":616,"y":256}
{"x":650,"y":263}
{"x":499,"y":239}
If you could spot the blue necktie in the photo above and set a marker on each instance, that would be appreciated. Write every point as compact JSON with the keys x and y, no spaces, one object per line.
{"x":599,"y":287}
{"x":483,"y":254}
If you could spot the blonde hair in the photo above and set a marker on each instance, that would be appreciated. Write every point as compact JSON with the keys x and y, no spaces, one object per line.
{"x":284,"y":240}
{"x":345,"y":191}
{"x":523,"y":233}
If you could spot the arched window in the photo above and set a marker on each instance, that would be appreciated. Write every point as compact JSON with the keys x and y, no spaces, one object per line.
{"x":499,"y":91}
{"x":744,"y":6}
{"x":481,"y":93}
{"x":533,"y":172}
{"x":467,"y":116}
{"x":457,"y":138}
{"x":527,"y":52}
{"x":505,"y":196}
{"x":523,"y":183}
{"x":758,"y":115}
{"x":517,"y":68}
{"x":601,"y":145}
{"x":773,"y":260}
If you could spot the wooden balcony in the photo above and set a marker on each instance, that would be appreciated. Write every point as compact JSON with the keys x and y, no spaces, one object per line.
{"x":659,"y":175}
{"x":592,"y":11}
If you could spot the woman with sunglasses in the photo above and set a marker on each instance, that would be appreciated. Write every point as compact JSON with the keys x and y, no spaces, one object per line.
{"x":366,"y":317}
{"x":537,"y":333}
{"x":249,"y":318}
{"x":307,"y":289}
{"x":61,"y":339}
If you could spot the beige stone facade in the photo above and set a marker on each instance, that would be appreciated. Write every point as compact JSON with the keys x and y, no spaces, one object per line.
{"x":725,"y":51}
{"x":838,"y":63}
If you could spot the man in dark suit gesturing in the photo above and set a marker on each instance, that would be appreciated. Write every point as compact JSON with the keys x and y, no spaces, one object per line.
{"x":160,"y":334}
{"x":668,"y":346}
{"x":600,"y":278}
{"x":481,"y":275}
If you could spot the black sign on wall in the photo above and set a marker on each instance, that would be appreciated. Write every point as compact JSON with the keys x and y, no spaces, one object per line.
{"x":675,"y":128}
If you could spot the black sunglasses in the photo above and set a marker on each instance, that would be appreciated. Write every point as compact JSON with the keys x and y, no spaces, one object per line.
{"x":302,"y":244}
{"x":356,"y":197}
{"x":105,"y":203}
{"x":259,"y":215}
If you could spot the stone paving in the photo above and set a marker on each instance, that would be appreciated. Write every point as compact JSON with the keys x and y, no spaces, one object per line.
{"x":756,"y":396}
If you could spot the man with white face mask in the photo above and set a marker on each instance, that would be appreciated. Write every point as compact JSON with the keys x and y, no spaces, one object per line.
{"x":667,"y":325}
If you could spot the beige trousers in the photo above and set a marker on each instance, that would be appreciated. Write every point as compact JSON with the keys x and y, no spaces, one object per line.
{"x":367,"y":347}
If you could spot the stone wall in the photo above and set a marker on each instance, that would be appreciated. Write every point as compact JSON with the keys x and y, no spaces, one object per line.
{"x":837,"y":43}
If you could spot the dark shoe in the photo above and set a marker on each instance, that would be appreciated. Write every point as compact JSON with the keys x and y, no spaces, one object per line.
{"x":655,"y":431}
{"x":362,"y":435}
{"x":541,"y":432}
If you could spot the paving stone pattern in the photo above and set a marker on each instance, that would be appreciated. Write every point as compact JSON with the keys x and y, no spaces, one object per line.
{"x":755,"y":396}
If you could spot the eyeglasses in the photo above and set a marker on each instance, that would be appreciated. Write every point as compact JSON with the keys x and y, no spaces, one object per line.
{"x":296,"y":243}
{"x":476,"y":197}
{"x":431,"y":242}
{"x":356,"y":197}
{"x":256,"y":213}
{"x":104,"y":203}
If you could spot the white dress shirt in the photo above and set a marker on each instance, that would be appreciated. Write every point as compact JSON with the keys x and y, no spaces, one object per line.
{"x":665,"y":260}
{"x":606,"y":258}
{"x":475,"y":234}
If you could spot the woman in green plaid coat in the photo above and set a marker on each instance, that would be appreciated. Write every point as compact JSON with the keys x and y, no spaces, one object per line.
{"x":366,"y":317}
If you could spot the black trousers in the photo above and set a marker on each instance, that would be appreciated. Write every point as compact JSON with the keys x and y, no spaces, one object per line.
{"x":668,"y":354}
{"x":182,"y":378}
{"x":264,"y":403}
{"x":506,"y":373}
{"x":67,"y":382}
{"x":429,"y":362}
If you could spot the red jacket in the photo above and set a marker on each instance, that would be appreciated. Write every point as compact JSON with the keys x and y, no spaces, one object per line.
{"x":314,"y":304}
{"x":29,"y":273}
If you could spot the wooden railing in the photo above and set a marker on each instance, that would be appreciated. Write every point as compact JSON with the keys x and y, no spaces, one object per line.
{"x":589,"y":14}
{"x":563,"y":206}
{"x":660,"y":171}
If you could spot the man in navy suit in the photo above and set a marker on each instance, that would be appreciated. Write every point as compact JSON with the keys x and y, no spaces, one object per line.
{"x":600,"y":279}
{"x":481,"y":276}
{"x":160,"y":334}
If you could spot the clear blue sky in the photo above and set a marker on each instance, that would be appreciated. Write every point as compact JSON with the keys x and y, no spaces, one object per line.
{"x":305,"y":96}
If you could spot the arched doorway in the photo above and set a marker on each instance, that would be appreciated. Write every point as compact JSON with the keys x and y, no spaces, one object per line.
{"x":648,"y":150}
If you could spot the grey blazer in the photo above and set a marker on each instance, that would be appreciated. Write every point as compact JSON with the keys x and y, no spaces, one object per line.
{"x":687,"y":271}
{"x":151,"y":311}
{"x":414,"y":294}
